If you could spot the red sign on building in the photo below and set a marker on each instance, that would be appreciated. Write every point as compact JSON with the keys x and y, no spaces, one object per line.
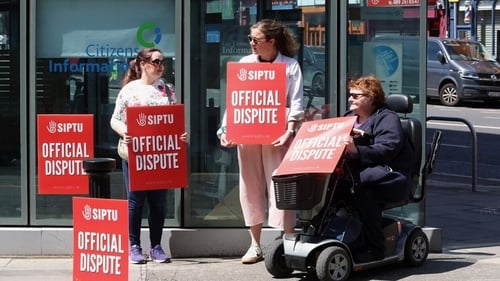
{"x":255,"y":102}
{"x":318,"y":146}
{"x":100,"y":239}
{"x":393,"y":3}
{"x":157,"y":156}
{"x":63,"y":141}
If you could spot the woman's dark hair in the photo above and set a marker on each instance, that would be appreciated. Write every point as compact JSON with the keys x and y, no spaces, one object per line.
{"x":134,"y":70}
{"x":272,"y":29}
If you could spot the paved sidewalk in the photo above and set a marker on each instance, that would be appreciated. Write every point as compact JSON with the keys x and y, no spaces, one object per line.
{"x":478,"y":264}
{"x":471,"y":237}
{"x":467,"y":218}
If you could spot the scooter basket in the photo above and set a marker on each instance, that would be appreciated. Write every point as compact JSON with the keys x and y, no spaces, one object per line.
{"x":299,"y":191}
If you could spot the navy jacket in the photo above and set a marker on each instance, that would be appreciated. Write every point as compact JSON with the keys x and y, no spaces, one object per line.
{"x":384,"y":143}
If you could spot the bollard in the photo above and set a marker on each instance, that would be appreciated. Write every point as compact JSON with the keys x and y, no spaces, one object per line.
{"x":99,"y":170}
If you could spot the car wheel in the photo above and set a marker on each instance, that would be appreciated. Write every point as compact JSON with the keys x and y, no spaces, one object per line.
{"x":318,"y":85}
{"x":275,"y":260}
{"x":416,"y":248}
{"x":333,"y":264}
{"x":448,"y":95}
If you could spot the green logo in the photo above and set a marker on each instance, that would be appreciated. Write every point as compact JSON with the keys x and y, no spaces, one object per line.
{"x":140,"y":35}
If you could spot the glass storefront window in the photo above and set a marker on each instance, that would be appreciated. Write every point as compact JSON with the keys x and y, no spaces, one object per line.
{"x":382,"y":38}
{"x":64,"y":34}
{"x":378,"y":44}
{"x":12,"y":205}
{"x":80,"y":63}
{"x":212,"y":198}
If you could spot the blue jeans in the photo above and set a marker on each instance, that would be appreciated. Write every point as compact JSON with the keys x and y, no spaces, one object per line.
{"x":156,"y":217}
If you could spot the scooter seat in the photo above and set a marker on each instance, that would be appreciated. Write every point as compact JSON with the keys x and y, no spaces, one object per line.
{"x":412,"y":127}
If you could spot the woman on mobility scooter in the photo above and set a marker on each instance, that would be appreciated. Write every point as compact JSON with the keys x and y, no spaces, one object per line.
{"x":344,"y":224}
{"x":380,"y":154}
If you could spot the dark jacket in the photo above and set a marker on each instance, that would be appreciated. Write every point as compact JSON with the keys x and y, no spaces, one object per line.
{"x":384,"y":144}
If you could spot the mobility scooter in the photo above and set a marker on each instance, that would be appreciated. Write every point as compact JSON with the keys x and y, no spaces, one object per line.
{"x":331,"y":232}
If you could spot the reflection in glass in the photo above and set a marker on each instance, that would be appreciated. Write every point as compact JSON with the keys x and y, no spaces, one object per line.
{"x":468,"y":50}
{"x":10,"y":141}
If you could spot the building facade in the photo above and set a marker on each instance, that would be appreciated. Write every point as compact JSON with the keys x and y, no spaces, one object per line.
{"x":68,"y":57}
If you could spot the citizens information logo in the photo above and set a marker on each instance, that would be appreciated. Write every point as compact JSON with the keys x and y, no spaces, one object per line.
{"x":148,"y":35}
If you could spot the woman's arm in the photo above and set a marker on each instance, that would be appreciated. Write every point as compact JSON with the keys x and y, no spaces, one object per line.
{"x":295,"y":93}
{"x":117,"y":121}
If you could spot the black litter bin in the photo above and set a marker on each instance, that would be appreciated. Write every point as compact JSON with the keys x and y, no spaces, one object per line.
{"x":99,"y":171}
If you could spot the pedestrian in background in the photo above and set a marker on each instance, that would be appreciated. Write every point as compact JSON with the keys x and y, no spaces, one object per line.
{"x":270,"y":42}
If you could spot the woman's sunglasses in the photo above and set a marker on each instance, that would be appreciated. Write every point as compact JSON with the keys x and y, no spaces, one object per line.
{"x":356,"y":96}
{"x":255,"y":40}
{"x":157,"y":62}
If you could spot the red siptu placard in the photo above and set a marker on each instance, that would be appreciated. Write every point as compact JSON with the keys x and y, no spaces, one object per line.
{"x":63,"y":141}
{"x":100,"y":239}
{"x":318,"y":146}
{"x":255,"y":102}
{"x":157,"y":156}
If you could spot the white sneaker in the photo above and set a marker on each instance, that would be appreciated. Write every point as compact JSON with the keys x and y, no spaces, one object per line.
{"x":253,"y":255}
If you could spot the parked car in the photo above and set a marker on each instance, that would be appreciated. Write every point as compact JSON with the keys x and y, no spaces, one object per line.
{"x":313,"y":70}
{"x":460,"y":70}
{"x":457,"y":70}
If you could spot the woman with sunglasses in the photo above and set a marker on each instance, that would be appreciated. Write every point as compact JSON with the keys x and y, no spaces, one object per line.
{"x":143,"y":86}
{"x":378,"y":146}
{"x":270,"y":42}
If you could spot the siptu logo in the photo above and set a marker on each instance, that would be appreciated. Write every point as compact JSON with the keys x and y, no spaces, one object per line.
{"x":140,"y":35}
{"x":141,"y":121}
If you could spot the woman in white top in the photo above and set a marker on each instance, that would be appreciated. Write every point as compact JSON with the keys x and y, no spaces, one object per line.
{"x":142,"y":86}
{"x":270,"y":42}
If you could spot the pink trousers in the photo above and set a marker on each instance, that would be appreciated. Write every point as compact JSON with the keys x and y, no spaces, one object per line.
{"x":257,"y":165}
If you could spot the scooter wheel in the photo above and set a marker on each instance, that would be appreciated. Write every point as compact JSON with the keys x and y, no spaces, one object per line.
{"x":333,"y":264}
{"x":416,"y":248}
{"x":275,"y":260}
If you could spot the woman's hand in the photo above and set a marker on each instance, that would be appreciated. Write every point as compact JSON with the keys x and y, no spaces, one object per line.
{"x":350,"y":147}
{"x":184,"y":137}
{"x":285,"y":139}
{"x":126,"y":138}
{"x":225,"y":142}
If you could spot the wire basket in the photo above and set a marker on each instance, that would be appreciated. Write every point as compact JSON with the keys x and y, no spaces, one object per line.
{"x":299,"y":191}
